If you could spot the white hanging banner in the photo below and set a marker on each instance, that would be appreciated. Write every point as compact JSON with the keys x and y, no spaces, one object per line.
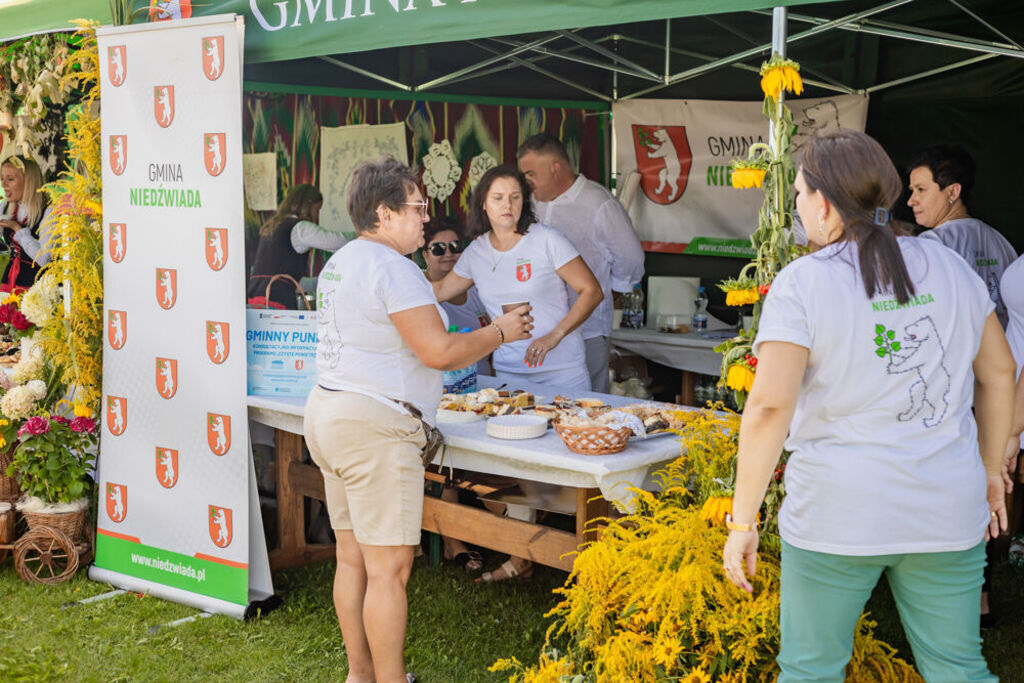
{"x":679,"y":151}
{"x":341,"y":150}
{"x":175,"y":476}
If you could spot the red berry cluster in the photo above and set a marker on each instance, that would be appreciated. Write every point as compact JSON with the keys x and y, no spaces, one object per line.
{"x":750,"y":360}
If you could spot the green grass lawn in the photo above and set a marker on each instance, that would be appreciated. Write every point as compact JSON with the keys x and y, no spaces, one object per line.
{"x":456,"y":630}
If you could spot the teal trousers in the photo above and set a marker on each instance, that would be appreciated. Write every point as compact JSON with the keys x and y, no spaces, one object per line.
{"x":937,"y":594}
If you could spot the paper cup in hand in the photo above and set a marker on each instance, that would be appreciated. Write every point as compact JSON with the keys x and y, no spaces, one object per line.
{"x":505,"y":308}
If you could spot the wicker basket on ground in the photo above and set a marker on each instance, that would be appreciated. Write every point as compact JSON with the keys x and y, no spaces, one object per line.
{"x":71,"y":523}
{"x":593,"y":440}
{"x":9,"y":491}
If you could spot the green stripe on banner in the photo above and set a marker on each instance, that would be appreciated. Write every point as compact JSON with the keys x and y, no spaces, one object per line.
{"x":169,"y":568}
{"x":720,"y":246}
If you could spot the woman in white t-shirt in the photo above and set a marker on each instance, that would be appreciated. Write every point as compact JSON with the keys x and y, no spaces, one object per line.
{"x":870,"y":353}
{"x":514,"y":259}
{"x":382,"y":344}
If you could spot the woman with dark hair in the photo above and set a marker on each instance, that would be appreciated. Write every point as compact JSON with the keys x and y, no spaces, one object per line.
{"x":444,"y":242}
{"x":285,"y":241}
{"x":25,"y":219}
{"x":517,"y":259}
{"x":940,"y":179}
{"x":870,"y":353}
{"x":382,"y":343}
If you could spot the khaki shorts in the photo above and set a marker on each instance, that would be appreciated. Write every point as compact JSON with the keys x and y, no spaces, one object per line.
{"x":369,"y":455}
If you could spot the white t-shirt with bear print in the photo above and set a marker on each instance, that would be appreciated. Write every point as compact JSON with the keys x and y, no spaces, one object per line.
{"x":359,"y":349}
{"x":884,"y":445}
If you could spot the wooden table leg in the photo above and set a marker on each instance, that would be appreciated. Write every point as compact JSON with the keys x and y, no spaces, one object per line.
{"x":687,"y":395}
{"x":291,"y":522}
{"x":589,"y":506}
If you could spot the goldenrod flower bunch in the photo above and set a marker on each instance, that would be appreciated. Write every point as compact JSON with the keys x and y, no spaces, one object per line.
{"x":74,"y":341}
{"x":778,"y":74}
{"x":747,"y":173}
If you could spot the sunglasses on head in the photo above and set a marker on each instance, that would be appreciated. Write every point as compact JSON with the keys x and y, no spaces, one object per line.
{"x":438,"y":248}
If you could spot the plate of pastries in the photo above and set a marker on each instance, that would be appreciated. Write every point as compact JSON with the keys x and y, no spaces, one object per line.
{"x":485,"y":403}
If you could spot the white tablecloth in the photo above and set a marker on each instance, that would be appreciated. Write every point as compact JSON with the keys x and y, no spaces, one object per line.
{"x":690,"y":351}
{"x":545,"y":459}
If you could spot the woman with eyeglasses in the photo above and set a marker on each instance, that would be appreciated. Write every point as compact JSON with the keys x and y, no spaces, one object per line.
{"x":444,"y":242}
{"x":382,"y":342}
{"x":285,"y":242}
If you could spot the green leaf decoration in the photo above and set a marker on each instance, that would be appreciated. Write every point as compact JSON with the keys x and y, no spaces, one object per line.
{"x":880,"y":352}
{"x":895,"y":346}
{"x":879,"y":329}
{"x":891,"y":334}
{"x":879,"y":341}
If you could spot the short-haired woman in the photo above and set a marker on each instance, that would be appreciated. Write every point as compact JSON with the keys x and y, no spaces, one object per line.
{"x":25,"y":219}
{"x":383,"y":342}
{"x":941,"y":177}
{"x":285,"y":242}
{"x":870,"y":353}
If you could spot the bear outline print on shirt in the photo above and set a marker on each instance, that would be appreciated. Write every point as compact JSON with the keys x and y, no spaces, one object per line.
{"x":922,"y":351}
{"x":331,"y":347}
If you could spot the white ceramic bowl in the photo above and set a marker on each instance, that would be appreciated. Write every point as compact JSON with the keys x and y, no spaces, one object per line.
{"x":516,"y":426}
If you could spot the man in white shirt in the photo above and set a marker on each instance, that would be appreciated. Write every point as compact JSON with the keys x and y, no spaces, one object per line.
{"x":597,"y":225}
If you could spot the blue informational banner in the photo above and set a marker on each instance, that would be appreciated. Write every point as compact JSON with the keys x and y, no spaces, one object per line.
{"x":281,"y":352}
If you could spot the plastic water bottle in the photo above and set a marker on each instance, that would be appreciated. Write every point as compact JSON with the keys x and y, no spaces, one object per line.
{"x":462,"y":380}
{"x":700,"y":311}
{"x":636,"y":307}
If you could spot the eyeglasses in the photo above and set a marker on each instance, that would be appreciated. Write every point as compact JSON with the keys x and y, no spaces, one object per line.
{"x":438,"y":248}
{"x":423,"y":206}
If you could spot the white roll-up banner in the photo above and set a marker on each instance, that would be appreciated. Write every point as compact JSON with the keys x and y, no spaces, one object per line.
{"x":178,"y":514}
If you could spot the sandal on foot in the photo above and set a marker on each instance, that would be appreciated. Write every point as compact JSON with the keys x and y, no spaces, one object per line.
{"x":470,"y":560}
{"x":410,"y":678}
{"x":511,"y":572}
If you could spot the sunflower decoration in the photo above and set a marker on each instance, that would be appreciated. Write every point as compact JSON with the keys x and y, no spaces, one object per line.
{"x":778,"y":74}
{"x":740,"y":376}
{"x":740,"y":291}
{"x":716,"y":508}
{"x":748,"y":173}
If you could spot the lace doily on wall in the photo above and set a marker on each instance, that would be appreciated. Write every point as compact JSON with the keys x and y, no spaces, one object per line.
{"x":479,"y":165}
{"x":440,"y":170}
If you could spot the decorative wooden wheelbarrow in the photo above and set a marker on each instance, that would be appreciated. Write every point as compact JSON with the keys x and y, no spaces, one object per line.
{"x":46,"y":553}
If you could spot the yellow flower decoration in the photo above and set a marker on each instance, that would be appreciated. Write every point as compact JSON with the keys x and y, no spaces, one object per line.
{"x":3,"y":444}
{"x":715,"y":509}
{"x":745,"y":178}
{"x":12,"y":299}
{"x":698,"y":675}
{"x":781,"y":74}
{"x":82,"y":410}
{"x":740,"y":378}
{"x":740,"y":297}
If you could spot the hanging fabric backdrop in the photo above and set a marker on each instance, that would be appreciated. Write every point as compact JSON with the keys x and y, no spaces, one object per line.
{"x":673,"y":158}
{"x":478,"y":135}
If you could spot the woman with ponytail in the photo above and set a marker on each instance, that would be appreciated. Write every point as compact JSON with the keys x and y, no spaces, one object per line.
{"x":871,"y":352}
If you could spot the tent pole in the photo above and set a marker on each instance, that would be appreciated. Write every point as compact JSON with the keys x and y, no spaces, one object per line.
{"x":757,"y":51}
{"x":888,"y":30}
{"x":932,"y":72}
{"x":834,"y":86}
{"x":987,"y":25}
{"x":364,"y":72}
{"x":610,"y":54}
{"x":544,"y":72}
{"x":779,"y":15}
{"x":668,"y":49}
{"x":487,"y":62}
